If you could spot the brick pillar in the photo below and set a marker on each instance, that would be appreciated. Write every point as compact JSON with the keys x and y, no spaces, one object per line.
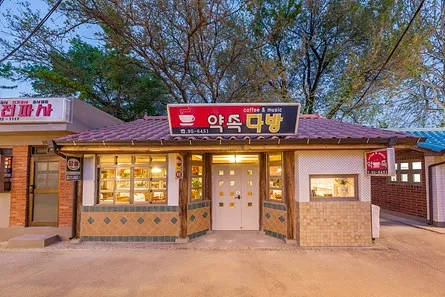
{"x":20,"y":183}
{"x":66,"y":196}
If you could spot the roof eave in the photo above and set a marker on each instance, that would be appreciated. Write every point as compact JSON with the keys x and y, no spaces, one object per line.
{"x":192,"y":141}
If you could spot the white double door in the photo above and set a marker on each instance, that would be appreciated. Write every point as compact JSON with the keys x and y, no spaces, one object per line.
{"x":235,"y":196}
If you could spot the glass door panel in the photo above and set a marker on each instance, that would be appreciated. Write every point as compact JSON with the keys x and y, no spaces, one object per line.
{"x":45,"y":193}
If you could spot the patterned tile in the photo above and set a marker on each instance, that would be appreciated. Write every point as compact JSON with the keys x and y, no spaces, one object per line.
{"x":282,"y":219}
{"x":174,"y":220}
{"x":123,"y":220}
{"x":157,"y":220}
{"x":90,"y":220}
{"x":192,"y":218}
{"x":267,"y":215}
{"x":107,"y":220}
{"x":140,"y":220}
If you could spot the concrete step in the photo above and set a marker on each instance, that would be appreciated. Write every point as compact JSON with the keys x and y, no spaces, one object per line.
{"x":33,"y":241}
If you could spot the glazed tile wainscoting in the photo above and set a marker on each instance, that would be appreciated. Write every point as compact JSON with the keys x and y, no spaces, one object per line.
{"x":275,"y":219}
{"x":130,"y":223}
{"x":198,"y":222}
{"x":337,"y":223}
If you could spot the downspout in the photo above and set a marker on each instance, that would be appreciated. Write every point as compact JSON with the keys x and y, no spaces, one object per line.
{"x":430,"y":190}
{"x":75,"y":198}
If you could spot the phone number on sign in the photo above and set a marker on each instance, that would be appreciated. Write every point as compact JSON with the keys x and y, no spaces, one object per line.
{"x":194,"y":131}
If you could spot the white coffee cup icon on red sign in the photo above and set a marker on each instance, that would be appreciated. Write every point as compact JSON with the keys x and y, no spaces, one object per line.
{"x":186,"y":119}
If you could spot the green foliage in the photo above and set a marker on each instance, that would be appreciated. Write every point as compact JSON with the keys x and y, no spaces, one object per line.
{"x":109,"y":79}
{"x":6,"y":71}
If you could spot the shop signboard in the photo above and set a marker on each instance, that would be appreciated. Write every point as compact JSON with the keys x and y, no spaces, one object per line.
{"x":233,"y":119}
{"x":380,"y":162}
{"x":179,"y":167}
{"x":73,"y":168}
{"x":29,"y":111}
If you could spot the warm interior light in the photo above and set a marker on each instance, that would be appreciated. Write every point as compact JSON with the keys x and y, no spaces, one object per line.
{"x":156,"y":170}
{"x":235,"y":158}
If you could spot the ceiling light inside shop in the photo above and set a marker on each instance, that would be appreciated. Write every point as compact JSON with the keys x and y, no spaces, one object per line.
{"x":156,"y":170}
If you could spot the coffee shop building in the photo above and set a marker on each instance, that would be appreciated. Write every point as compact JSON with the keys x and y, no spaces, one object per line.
{"x":175,"y":178}
{"x":35,"y":196}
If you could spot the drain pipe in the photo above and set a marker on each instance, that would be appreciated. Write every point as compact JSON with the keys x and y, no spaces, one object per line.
{"x":75,"y":198}
{"x":430,"y":190}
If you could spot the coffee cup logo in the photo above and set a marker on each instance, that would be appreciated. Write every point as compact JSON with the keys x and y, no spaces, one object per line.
{"x":186,"y":119}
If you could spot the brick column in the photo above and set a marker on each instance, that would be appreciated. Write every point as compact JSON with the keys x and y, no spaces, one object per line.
{"x":66,"y":196}
{"x":20,"y":183}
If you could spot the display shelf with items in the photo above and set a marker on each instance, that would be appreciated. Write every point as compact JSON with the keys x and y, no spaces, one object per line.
{"x":275,"y":176}
{"x":196,"y":181}
{"x":132,"y":179}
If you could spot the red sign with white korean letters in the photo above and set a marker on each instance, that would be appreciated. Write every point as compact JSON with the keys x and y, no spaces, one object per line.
{"x":33,"y":110}
{"x":380,"y":162}
{"x":233,"y":119}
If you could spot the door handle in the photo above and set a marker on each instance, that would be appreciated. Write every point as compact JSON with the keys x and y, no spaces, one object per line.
{"x":31,"y":189}
{"x":238,"y":197}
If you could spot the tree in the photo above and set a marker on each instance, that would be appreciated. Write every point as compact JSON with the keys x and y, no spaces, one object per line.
{"x":6,"y":71}
{"x":106,"y":78}
{"x":328,"y":53}
{"x":322,"y":53}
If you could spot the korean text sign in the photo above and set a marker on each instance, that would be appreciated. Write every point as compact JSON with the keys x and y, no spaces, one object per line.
{"x":73,"y":168}
{"x":34,"y":110}
{"x":380,"y":162}
{"x":233,"y":119}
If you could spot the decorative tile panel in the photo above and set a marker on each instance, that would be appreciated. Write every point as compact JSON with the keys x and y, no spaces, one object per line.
{"x":138,"y":226}
{"x":199,"y":218}
{"x":130,"y":208}
{"x":275,"y":219}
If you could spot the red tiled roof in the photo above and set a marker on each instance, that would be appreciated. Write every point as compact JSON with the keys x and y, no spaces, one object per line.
{"x":311,"y":128}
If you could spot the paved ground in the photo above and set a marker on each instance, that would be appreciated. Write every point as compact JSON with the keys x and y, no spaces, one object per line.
{"x":406,"y":261}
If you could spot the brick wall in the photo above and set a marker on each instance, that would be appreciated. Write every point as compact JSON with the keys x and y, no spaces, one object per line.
{"x":66,"y":196}
{"x":20,"y":184}
{"x":405,"y":198}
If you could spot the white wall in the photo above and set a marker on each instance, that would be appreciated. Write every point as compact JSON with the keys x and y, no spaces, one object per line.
{"x":330,"y":162}
{"x":89,"y":180}
{"x":173,"y":182}
{"x":438,"y":187}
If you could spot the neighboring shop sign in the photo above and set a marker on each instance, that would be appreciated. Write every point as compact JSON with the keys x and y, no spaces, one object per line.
{"x":34,"y":111}
{"x":233,"y":119}
{"x":73,"y":168}
{"x":381,"y":162}
{"x":179,"y":167}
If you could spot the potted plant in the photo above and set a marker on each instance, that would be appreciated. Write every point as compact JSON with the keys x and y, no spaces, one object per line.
{"x":343,"y":186}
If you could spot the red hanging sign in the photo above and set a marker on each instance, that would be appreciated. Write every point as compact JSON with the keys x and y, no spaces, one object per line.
{"x":380,"y":162}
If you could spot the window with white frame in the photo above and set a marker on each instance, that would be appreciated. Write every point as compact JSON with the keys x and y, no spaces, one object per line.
{"x":407,"y":172}
{"x":132,"y":179}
